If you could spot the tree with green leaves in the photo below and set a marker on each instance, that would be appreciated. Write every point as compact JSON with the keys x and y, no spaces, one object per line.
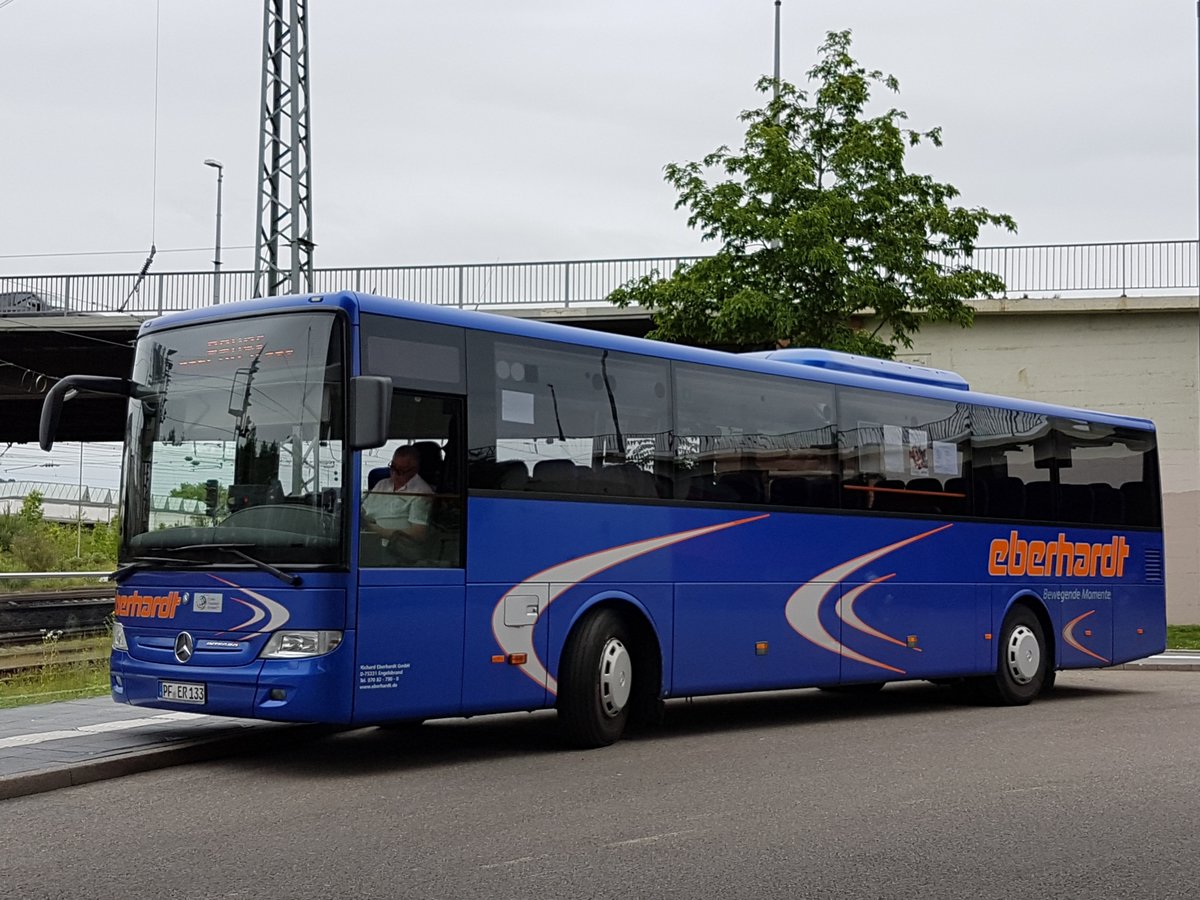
{"x":189,"y":490}
{"x":199,"y":490}
{"x":822,"y":228}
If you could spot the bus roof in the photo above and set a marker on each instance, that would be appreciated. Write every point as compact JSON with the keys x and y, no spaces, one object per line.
{"x":823,"y":366}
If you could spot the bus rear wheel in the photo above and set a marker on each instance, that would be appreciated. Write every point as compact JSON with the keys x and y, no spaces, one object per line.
{"x":1023,"y":663}
{"x":596,"y":681}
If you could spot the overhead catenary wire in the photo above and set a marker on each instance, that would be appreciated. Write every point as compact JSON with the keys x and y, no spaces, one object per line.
{"x":37,"y":380}
{"x":153,"y":166}
{"x":154,"y":154}
{"x":66,"y":254}
{"x":41,"y":328}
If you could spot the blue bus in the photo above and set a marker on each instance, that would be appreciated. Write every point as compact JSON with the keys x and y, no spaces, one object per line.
{"x":401,"y":511}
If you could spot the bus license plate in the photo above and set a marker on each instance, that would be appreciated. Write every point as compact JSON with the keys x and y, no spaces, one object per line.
{"x":181,"y":692}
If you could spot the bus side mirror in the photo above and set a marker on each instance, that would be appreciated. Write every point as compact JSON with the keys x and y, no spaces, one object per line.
{"x":370,"y":411}
{"x":66,"y":388}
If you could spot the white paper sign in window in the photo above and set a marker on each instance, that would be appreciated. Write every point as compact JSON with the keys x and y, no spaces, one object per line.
{"x":945,"y":458}
{"x":516,"y":406}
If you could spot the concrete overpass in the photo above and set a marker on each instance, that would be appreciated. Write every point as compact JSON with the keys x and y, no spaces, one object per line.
{"x":37,"y":351}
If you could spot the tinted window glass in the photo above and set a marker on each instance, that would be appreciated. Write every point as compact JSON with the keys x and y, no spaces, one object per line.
{"x":415,"y":355}
{"x":1011,"y":450}
{"x":1107,"y":475}
{"x":753,"y":439}
{"x":412,"y":506}
{"x":563,"y":419}
{"x":904,"y":454}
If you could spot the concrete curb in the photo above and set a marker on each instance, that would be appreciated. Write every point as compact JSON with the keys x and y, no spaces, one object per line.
{"x":1153,"y":665}
{"x":1167,"y":661}
{"x":146,"y":759}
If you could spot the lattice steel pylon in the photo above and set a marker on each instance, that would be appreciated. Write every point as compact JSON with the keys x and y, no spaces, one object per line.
{"x":284,"y":158}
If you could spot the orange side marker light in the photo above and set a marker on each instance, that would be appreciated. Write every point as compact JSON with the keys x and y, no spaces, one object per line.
{"x":499,"y":658}
{"x":518,"y":659}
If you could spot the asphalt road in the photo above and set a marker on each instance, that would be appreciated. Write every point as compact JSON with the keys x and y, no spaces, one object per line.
{"x":1091,"y":793}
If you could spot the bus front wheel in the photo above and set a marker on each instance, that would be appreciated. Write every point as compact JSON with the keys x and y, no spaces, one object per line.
{"x":596,"y":680}
{"x":1023,"y":663}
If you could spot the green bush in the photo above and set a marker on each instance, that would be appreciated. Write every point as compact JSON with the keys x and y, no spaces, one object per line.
{"x":28,"y":543}
{"x":36,"y":552}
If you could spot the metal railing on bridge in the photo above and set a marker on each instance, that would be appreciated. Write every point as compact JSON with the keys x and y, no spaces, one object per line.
{"x":1142,"y":268}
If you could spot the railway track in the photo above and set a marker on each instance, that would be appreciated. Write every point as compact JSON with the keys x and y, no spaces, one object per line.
{"x":51,"y":628}
{"x":15,"y":661}
{"x":27,"y":617}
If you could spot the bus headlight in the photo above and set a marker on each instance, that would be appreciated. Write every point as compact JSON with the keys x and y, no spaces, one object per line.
{"x":300,"y":644}
{"x":118,"y":637}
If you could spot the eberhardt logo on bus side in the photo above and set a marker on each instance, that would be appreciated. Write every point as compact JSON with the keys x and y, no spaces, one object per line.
{"x":1060,"y":558}
{"x":147,"y":606}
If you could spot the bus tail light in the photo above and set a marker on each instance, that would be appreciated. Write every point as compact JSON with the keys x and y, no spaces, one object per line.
{"x":301,"y":644}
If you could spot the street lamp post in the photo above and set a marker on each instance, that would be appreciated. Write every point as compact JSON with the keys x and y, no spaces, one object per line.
{"x":216,"y":164}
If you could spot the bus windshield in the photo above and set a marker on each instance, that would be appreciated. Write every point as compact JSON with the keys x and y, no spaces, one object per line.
{"x":235,"y":443}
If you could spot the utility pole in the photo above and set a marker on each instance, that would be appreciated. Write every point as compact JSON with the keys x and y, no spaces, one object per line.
{"x":283,"y":242}
{"x":779,"y":3}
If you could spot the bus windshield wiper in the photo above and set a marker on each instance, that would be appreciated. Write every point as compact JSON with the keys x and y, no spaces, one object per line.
{"x":144,"y":562}
{"x":236,"y":550}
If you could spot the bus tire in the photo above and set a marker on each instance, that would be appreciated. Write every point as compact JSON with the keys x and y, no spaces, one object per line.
{"x":595,"y":681}
{"x":647,"y":709}
{"x":1023,"y":660}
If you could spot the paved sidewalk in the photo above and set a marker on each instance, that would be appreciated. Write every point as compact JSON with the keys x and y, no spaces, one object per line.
{"x":56,"y":745}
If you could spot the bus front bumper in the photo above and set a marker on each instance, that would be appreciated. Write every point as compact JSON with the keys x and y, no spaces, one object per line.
{"x":317,"y":689}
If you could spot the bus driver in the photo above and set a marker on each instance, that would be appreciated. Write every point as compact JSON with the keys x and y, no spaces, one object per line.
{"x":397,"y":508}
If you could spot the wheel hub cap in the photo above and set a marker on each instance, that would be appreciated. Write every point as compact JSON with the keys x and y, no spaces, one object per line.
{"x":616,"y":677}
{"x":1024,"y":655}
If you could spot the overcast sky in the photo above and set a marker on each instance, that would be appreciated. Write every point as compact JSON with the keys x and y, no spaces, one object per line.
{"x":486,"y":130}
{"x":489,"y":130}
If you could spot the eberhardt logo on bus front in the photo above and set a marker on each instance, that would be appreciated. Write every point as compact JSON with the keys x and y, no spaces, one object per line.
{"x":1060,"y":558}
{"x":147,"y":606}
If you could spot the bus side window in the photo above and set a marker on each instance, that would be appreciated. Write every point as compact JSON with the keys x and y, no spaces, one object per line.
{"x":427,"y":426}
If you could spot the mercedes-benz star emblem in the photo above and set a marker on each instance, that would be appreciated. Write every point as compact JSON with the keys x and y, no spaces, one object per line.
{"x":184,"y":645}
